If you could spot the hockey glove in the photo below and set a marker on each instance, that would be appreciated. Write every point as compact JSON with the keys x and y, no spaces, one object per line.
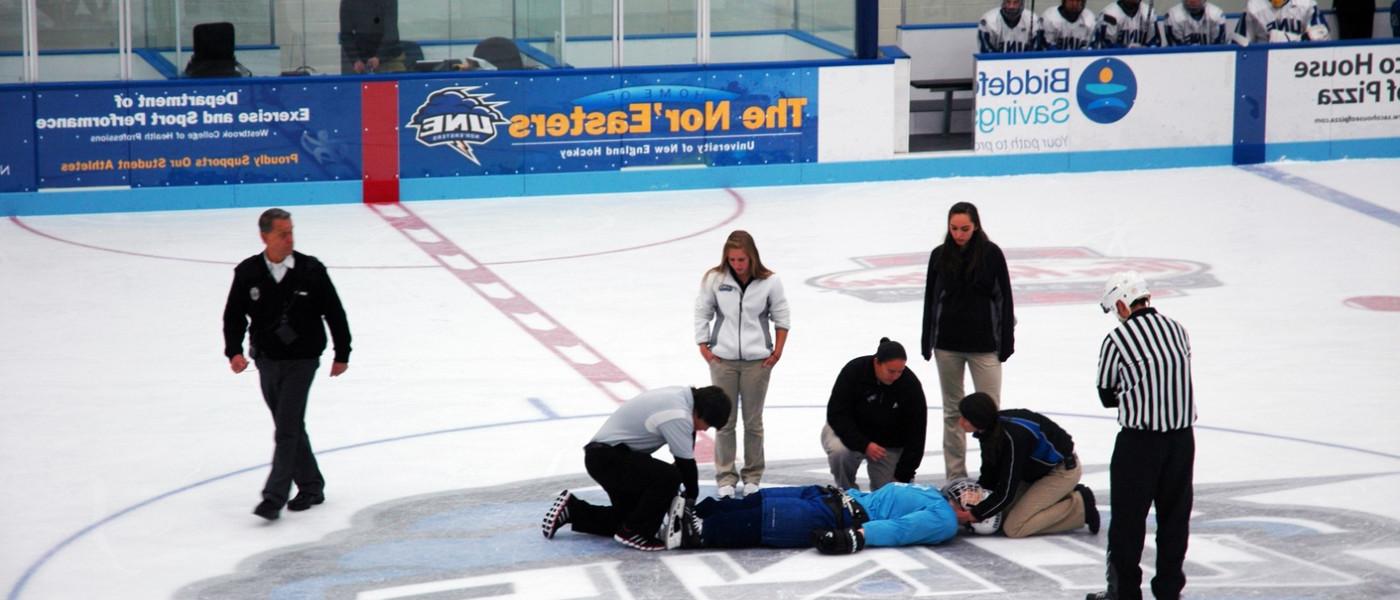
{"x":838,"y":541}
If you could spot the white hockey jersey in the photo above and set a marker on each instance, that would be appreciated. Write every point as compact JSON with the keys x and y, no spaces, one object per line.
{"x":1118,"y":30}
{"x":994,"y":35}
{"x":1061,"y":34}
{"x":1292,"y":21}
{"x":1182,"y":29}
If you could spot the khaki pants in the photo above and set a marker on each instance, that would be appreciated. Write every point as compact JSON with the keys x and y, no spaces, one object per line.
{"x":746,"y":384}
{"x":1049,"y":505}
{"x":845,"y":462}
{"x":986,"y":378}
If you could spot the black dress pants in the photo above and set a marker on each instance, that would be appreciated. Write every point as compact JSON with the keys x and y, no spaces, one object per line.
{"x":1150,"y":468}
{"x":640,"y":487}
{"x":285,"y":386}
{"x":1355,"y":19}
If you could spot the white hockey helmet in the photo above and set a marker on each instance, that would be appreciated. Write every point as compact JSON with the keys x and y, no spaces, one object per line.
{"x":1128,"y":286}
{"x":963,"y":493}
{"x":959,"y":490}
{"x":988,"y":526}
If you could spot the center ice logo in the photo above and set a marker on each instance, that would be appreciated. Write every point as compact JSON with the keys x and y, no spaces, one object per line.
{"x":485,"y":542}
{"x":1106,"y":90}
{"x":459,"y":119}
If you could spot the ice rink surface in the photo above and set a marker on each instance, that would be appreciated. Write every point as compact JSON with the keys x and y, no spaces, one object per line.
{"x":491,"y":338}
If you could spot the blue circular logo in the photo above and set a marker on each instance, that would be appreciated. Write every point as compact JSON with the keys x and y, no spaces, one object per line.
{"x":1106,"y":90}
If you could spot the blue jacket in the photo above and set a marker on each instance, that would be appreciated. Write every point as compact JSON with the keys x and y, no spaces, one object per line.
{"x":904,"y":514}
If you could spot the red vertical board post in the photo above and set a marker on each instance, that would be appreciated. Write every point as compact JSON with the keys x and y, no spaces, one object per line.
{"x":379,"y":140}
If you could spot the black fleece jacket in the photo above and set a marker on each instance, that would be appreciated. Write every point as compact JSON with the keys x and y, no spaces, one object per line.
{"x":1006,"y":458}
{"x":863,"y":410}
{"x":306,"y":295}
{"x":969,"y":313}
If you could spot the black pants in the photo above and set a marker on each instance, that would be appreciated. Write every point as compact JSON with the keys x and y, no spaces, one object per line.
{"x":285,"y":386}
{"x":1150,"y":468}
{"x":640,"y":487}
{"x":1355,"y":18}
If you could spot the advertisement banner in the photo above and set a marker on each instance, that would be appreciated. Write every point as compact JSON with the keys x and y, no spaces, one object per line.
{"x":1096,"y":102}
{"x":17,"y":153}
{"x":1333,"y":93}
{"x":576,"y":122}
{"x":198,"y":134}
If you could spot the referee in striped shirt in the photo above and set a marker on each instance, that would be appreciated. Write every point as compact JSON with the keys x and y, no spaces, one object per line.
{"x":1145,"y":371}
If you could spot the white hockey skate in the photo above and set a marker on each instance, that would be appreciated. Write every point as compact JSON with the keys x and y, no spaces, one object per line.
{"x":673,"y":525}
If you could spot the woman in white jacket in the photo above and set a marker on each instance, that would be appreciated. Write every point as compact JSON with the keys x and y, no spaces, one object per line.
{"x":738,"y":299}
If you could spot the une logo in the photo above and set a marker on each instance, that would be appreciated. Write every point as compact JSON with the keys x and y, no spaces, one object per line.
{"x":1106,"y":90}
{"x":458,"y":119}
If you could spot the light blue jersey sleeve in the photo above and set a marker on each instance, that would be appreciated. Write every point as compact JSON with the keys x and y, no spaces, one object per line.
{"x":905,"y":515}
{"x":930,"y":526}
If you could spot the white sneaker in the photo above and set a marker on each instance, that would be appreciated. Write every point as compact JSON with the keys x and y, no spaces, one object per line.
{"x":726,"y":491}
{"x":750,"y":488}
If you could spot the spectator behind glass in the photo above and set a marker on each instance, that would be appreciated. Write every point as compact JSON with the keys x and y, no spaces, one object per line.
{"x":1010,"y":27}
{"x":1195,"y":23}
{"x":1069,"y":26}
{"x":369,"y":37}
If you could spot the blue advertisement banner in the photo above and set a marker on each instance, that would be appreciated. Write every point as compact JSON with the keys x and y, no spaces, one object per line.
{"x":198,"y":134}
{"x":17,"y":152}
{"x":602,"y":122}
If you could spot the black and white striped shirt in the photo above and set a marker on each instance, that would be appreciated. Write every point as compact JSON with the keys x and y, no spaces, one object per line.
{"x":1145,"y":370}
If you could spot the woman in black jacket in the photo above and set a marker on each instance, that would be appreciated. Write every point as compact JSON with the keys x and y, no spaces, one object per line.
{"x":968,"y":321}
{"x":1024,"y":451}
{"x":877,"y":414}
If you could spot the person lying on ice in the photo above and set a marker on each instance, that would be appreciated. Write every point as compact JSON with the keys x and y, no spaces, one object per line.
{"x":835,"y":522}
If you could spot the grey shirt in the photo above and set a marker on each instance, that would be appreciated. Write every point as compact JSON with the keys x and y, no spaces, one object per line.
{"x":656,"y":417}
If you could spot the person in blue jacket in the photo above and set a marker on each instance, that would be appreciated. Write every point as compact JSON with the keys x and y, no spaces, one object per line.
{"x":1029,"y":470}
{"x":834,"y":521}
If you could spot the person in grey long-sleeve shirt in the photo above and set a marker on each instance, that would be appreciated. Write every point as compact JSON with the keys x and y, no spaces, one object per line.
{"x":641,"y":487}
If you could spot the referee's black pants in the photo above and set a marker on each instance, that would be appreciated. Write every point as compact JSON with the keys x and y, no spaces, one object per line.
{"x":640,"y":487}
{"x":285,"y":386}
{"x":1150,"y":468}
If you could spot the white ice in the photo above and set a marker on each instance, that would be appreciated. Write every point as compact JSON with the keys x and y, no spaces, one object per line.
{"x":131,"y":456}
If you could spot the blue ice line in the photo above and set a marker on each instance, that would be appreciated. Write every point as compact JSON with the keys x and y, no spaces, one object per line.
{"x":48,"y":554}
{"x":1322,"y":192}
{"x":544,"y":408}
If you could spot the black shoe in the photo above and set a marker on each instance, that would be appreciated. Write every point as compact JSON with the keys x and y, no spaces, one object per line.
{"x":692,"y":536}
{"x":304,"y":501}
{"x":557,"y":516}
{"x":268,"y":509}
{"x":1091,"y":509}
{"x":638,"y":541}
{"x":1100,"y":595}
